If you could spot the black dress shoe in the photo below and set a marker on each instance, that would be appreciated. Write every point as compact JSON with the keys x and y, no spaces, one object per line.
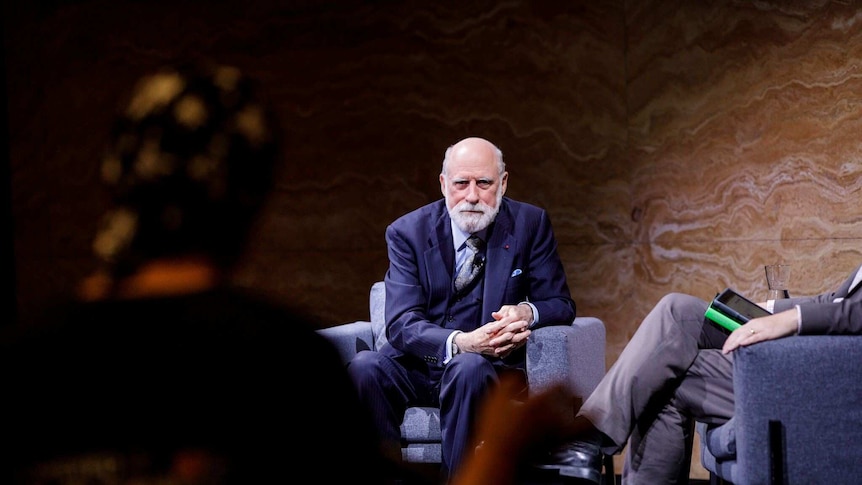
{"x":580,"y":459}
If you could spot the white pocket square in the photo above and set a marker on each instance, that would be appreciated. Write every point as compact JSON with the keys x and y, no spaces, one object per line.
{"x":516,"y":272}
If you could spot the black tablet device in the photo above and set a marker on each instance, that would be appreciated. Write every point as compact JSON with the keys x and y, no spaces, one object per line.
{"x":730,"y":310}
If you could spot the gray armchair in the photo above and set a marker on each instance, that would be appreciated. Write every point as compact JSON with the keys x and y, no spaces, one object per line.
{"x":797,"y":417}
{"x":573,"y":354}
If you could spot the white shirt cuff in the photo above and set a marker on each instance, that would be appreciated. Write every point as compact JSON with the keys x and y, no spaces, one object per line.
{"x":535,"y":313}
{"x":449,"y":346}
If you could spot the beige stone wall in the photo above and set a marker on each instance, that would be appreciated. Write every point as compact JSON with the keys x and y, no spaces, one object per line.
{"x":678,"y":146}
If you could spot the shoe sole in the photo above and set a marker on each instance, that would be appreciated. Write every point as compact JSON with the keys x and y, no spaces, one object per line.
{"x":585,"y":473}
{"x":590,"y":474}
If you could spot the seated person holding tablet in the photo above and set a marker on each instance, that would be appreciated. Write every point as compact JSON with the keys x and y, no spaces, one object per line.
{"x":678,"y":365}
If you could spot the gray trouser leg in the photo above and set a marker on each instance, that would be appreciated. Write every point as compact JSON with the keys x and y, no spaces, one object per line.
{"x":657,"y":452}
{"x":640,"y":394}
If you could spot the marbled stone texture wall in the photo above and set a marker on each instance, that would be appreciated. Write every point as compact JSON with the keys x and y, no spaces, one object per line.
{"x":678,"y":146}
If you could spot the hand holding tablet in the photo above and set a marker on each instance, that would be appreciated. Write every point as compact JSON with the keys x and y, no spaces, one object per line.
{"x":730,"y":310}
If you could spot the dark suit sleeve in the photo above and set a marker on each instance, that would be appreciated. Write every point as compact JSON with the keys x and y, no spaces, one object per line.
{"x":547,"y":288}
{"x":822,"y":315}
{"x":411,"y":315}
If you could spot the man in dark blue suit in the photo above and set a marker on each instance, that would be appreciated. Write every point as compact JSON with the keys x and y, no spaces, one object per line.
{"x":448,"y":343}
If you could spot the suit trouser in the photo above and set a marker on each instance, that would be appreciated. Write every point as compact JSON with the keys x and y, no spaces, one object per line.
{"x":671,"y":371}
{"x":387,"y":388}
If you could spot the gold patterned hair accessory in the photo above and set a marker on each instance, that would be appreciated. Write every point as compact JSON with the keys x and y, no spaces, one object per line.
{"x":190,"y":160}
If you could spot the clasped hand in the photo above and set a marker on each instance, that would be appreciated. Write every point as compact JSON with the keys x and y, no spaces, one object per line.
{"x":508,"y":331}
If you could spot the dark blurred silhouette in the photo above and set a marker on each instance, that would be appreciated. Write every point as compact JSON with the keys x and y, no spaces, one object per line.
{"x":161,"y":370}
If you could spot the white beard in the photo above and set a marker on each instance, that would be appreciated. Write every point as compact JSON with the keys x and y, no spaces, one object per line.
{"x":469,"y":222}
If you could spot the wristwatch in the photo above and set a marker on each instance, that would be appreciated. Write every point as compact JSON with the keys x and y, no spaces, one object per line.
{"x":455,"y":349}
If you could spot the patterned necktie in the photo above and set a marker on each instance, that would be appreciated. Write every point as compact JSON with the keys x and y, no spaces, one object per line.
{"x":472,"y":266}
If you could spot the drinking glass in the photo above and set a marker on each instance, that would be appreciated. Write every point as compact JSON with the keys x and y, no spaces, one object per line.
{"x":777,"y":277}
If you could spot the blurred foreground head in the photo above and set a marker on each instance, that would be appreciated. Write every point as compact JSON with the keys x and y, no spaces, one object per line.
{"x":191,"y":159}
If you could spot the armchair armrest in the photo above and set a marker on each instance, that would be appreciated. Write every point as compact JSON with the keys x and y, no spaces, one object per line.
{"x":350,"y":338}
{"x":806,"y":391}
{"x":571,"y":354}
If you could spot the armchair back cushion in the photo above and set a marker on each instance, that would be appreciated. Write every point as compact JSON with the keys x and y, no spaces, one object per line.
{"x":376,"y":303}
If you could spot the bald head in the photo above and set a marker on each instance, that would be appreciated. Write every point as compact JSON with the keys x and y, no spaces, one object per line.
{"x":474,"y":148}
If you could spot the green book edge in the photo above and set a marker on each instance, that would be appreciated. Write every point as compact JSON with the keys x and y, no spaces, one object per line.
{"x":721,"y":319}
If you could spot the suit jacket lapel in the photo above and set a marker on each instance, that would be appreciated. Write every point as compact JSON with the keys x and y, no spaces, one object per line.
{"x":441,"y":254}
{"x":499,"y":250}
